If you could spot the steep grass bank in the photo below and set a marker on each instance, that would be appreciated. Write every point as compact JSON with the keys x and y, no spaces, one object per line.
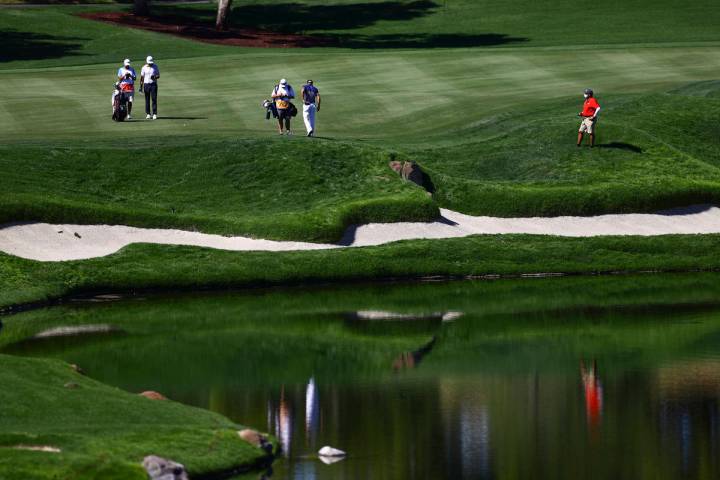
{"x":653,"y":152}
{"x":149,"y":267}
{"x":102,"y":432}
{"x":269,"y":189}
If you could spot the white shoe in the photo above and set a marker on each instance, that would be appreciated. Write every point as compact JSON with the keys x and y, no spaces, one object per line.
{"x":129,"y":117}
{"x":154,"y":117}
{"x":147,"y":117}
{"x":289,"y":132}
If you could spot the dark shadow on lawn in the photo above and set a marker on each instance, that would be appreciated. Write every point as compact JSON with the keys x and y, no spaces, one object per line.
{"x":261,"y":23}
{"x":296,"y":18}
{"x":621,"y":146}
{"x":16,"y":45}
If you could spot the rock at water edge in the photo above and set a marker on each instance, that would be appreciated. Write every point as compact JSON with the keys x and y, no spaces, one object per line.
{"x":159,"y":468}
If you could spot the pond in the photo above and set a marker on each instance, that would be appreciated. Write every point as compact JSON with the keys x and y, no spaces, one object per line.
{"x":564,"y":378}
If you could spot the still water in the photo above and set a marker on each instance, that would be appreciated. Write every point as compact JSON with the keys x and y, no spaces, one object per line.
{"x":569,"y":378}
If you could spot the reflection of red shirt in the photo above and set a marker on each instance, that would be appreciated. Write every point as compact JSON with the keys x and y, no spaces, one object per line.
{"x":589,"y":107}
{"x":593,"y":402}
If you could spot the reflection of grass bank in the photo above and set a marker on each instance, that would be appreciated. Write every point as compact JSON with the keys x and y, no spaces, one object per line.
{"x":213,"y":334}
{"x":103,"y":432}
{"x":148,"y":267}
{"x":197,"y":349}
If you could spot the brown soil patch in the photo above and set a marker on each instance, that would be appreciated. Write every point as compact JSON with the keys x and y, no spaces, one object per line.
{"x":152,"y":395}
{"x":207,"y":33}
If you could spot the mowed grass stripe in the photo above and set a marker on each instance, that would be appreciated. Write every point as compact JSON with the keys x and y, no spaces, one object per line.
{"x":402,"y":97}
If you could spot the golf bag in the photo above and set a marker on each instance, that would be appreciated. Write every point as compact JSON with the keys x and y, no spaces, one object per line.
{"x":293,"y":110}
{"x":270,"y":109}
{"x":120,"y":106}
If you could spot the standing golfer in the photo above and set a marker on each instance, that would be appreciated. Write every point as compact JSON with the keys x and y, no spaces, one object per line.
{"x":282,"y":94}
{"x":589,"y":114}
{"x":126,"y":77}
{"x":311,"y":105}
{"x":148,"y":81}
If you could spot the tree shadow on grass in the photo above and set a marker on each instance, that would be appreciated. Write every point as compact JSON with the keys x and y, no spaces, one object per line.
{"x":416,"y":40}
{"x":621,"y":146}
{"x":296,"y":18}
{"x":16,"y":45}
{"x":292,"y":24}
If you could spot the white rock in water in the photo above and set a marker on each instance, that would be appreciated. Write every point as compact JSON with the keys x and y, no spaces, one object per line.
{"x":451,"y":316}
{"x":327,"y":451}
{"x":330,"y":460}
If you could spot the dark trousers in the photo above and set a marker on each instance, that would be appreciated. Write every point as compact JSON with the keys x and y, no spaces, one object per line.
{"x":150,"y":93}
{"x":284,"y":116}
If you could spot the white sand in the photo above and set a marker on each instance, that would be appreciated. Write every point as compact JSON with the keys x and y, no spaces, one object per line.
{"x":46,"y":242}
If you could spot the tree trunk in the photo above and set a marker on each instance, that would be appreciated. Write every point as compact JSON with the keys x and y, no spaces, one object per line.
{"x":141,"y":7}
{"x":222,"y":14}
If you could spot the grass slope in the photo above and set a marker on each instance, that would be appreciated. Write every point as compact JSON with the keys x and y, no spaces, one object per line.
{"x":312,"y":193}
{"x":146,"y":267}
{"x":655,"y":151}
{"x":103,"y":432}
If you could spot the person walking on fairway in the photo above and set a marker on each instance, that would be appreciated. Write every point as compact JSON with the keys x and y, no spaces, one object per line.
{"x":589,"y":114}
{"x":282,"y":94}
{"x":126,"y":77}
{"x":311,"y":105}
{"x":148,"y":82}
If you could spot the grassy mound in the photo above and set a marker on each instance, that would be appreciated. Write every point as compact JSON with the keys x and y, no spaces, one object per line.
{"x":103,"y":432}
{"x":307,"y":191}
{"x":654,"y":151}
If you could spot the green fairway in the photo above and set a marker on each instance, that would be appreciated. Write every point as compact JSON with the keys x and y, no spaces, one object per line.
{"x":401,"y":98}
{"x":494,"y":127}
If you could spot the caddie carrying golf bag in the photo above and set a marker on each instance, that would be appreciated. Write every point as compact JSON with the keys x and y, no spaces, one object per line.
{"x":120,"y":105}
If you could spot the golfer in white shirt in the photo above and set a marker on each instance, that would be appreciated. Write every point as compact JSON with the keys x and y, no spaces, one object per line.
{"x":148,"y":82}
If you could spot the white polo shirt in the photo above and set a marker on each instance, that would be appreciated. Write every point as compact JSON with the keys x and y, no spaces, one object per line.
{"x":148,"y":71}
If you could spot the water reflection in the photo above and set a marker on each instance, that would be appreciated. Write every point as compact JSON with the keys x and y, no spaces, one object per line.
{"x":593,"y":392}
{"x":689,"y":414}
{"x":312,"y":413}
{"x":410,"y":360}
{"x":542,"y":380}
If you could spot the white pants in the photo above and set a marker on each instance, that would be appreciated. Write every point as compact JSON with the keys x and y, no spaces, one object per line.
{"x":309,"y":116}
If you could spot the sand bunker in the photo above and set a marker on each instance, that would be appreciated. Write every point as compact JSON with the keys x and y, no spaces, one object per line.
{"x":46,"y":242}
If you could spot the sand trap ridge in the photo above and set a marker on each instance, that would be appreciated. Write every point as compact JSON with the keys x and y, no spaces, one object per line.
{"x":47,"y":242}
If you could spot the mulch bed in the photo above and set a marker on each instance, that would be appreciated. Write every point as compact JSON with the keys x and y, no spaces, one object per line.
{"x":207,"y":33}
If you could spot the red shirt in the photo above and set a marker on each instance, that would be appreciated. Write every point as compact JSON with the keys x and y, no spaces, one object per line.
{"x":589,"y":107}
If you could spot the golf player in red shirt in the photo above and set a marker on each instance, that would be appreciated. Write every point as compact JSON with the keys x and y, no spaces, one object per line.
{"x":589,"y":114}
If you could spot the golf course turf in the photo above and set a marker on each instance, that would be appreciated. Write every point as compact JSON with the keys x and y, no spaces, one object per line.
{"x":483,"y":94}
